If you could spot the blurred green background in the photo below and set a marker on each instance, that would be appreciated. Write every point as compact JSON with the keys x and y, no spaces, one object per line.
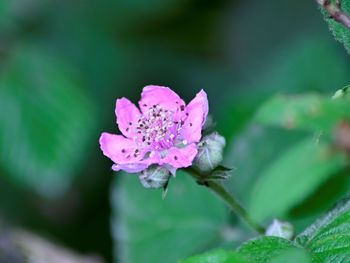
{"x":64,"y":63}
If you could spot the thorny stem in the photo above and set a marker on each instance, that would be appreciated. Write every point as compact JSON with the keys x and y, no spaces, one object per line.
{"x":229,"y":199}
{"x":335,"y":11}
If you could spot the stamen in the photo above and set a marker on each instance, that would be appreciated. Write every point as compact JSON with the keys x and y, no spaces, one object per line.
{"x":157,"y":128}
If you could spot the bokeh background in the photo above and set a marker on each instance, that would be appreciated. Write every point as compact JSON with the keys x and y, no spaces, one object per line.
{"x":64,"y":63}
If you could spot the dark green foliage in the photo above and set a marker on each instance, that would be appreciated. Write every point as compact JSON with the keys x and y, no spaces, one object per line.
{"x":63,"y":64}
{"x":45,"y":114}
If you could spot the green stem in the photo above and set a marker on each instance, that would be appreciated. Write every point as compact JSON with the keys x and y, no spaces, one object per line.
{"x":229,"y":199}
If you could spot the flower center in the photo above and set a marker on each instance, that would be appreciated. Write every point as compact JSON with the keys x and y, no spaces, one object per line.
{"x":158,"y":128}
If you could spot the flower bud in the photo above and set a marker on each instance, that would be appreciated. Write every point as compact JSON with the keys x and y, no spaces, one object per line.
{"x":155,"y":177}
{"x":280,"y":229}
{"x":208,"y":125}
{"x":210,"y":152}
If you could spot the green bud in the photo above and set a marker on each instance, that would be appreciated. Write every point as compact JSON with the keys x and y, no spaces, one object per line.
{"x":210,"y":152}
{"x":155,"y":177}
{"x":280,"y":229}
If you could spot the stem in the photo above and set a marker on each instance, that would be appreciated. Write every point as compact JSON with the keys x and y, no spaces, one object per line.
{"x":229,"y":199}
{"x":335,"y":11}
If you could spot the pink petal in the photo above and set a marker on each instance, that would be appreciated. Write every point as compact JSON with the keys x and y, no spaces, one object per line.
{"x":197,"y":111}
{"x":165,"y":97}
{"x":130,"y":168}
{"x":119,"y":149}
{"x":127,"y":115}
{"x":180,"y":157}
{"x":138,"y":166}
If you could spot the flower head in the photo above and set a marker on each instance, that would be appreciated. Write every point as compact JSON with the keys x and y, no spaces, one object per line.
{"x":164,"y":131}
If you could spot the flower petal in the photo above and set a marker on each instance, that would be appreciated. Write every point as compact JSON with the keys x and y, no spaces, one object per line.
{"x":127,"y":115}
{"x":130,"y":168}
{"x":180,"y":157}
{"x":165,"y":97}
{"x":119,"y":149}
{"x":197,"y":111}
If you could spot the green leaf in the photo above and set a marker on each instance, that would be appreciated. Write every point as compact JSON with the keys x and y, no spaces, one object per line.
{"x":292,"y":256}
{"x":252,"y":152}
{"x":263,"y":249}
{"x":333,"y":190}
{"x":329,"y":237}
{"x":340,"y":32}
{"x":293,"y":177}
{"x":327,"y":240}
{"x":217,"y":256}
{"x":274,"y":250}
{"x":46,"y":121}
{"x":147,"y":228}
{"x":310,"y":112}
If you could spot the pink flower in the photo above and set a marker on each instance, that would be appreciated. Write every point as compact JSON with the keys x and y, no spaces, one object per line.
{"x":164,"y":132}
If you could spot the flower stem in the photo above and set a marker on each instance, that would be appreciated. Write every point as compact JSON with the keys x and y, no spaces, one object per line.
{"x":335,"y":11}
{"x":229,"y":199}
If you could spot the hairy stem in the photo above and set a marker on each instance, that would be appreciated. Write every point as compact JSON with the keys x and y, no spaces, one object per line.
{"x":229,"y":199}
{"x":335,"y":11}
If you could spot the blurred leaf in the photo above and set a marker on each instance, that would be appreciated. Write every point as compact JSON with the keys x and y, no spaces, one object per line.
{"x":329,"y":237}
{"x":292,"y":256}
{"x":293,"y":177}
{"x":331,"y":191}
{"x":302,"y":64}
{"x":310,"y":112}
{"x":263,"y":249}
{"x":299,"y":66}
{"x":150,"y":7}
{"x":252,"y":152}
{"x":147,"y":228}
{"x":4,"y":6}
{"x":46,"y":121}
{"x":104,"y":69}
{"x":216,"y":256}
{"x":20,"y":14}
{"x":340,"y":32}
